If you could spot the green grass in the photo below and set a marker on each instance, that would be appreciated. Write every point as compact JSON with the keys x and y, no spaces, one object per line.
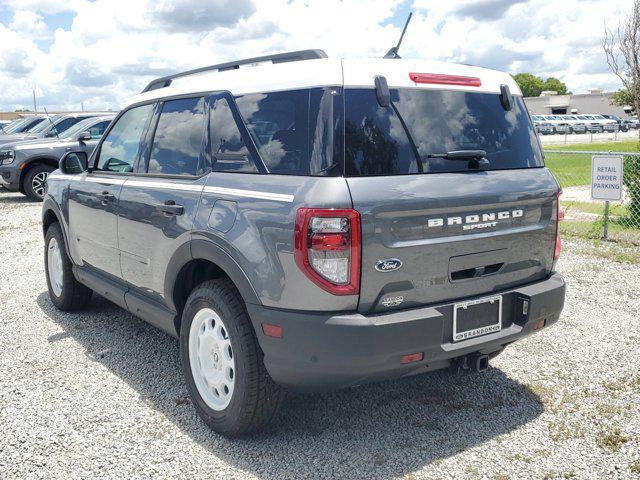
{"x":570,"y":170}
{"x":625,"y":146}
{"x":615,"y":209}
{"x":622,"y":235}
{"x":574,"y":169}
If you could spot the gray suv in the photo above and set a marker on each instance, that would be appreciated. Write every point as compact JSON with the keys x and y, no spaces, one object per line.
{"x":313,"y":223}
{"x":53,"y":126}
{"x":24,"y":165}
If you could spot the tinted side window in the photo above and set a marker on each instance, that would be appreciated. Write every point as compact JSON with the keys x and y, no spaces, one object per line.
{"x":279,"y":125}
{"x":294,"y":130}
{"x":228,"y":149}
{"x":120,"y":147}
{"x":30,"y":125}
{"x":177,"y":142}
{"x":98,"y":129}
{"x":64,"y":125}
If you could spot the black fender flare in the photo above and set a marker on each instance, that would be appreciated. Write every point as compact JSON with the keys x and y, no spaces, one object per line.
{"x":200,"y":249}
{"x":37,"y":159}
{"x":49,"y":205}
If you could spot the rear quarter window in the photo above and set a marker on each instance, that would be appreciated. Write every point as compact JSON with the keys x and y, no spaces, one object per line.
{"x":295,"y":131}
{"x":438,"y":121}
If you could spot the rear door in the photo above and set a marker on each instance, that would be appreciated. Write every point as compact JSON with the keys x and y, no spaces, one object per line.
{"x":159,"y":202}
{"x":436,"y":229}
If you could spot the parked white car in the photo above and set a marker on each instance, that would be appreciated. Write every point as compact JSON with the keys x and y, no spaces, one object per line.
{"x":560,"y":124}
{"x":577,"y":125}
{"x":608,"y":124}
{"x":542,"y":126}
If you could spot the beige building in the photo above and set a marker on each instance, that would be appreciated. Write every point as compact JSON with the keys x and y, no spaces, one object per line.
{"x":596,"y":101}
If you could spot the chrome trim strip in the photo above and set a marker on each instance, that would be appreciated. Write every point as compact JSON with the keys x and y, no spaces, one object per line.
{"x":165,"y":185}
{"x":278,"y":197}
{"x":131,"y":182}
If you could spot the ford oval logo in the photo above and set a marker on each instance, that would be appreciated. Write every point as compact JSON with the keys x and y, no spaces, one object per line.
{"x":388,"y":265}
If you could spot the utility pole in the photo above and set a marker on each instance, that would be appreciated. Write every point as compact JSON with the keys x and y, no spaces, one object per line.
{"x":34,"y":101}
{"x":82,"y":106}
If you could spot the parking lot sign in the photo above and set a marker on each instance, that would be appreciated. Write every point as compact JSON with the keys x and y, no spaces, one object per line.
{"x":606,"y":177}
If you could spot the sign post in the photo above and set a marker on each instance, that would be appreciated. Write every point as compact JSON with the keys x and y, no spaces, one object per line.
{"x":606,"y":182}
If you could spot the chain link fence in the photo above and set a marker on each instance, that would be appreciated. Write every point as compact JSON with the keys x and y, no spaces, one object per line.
{"x":617,"y":221}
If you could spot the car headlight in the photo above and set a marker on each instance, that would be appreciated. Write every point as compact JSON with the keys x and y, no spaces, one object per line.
{"x":6,"y":157}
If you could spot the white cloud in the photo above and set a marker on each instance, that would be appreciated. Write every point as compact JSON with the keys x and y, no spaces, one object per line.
{"x":114,"y":47}
{"x":28,"y":23}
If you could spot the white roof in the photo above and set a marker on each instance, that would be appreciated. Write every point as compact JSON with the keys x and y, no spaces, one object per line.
{"x":268,"y":77}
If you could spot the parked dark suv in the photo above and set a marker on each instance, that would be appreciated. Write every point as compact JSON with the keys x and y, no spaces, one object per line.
{"x":311,"y":223}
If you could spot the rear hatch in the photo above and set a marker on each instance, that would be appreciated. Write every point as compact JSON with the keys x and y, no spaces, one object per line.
{"x":436,"y":229}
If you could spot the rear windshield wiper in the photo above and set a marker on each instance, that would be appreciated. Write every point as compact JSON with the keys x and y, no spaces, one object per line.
{"x":476,"y":158}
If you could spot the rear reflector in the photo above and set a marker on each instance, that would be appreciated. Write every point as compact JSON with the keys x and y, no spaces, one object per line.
{"x":538,"y":325}
{"x":413,"y":357}
{"x":274,"y":331}
{"x":441,"y":79}
{"x":559,"y":217}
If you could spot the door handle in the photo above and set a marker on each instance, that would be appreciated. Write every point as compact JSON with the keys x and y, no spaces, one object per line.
{"x":170,"y":208}
{"x":105,"y":197}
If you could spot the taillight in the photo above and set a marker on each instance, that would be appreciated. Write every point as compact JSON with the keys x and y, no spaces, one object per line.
{"x":327,"y":248}
{"x":438,"y":78}
{"x":559,"y":218}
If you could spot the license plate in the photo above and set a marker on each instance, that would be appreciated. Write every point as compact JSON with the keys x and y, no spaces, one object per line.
{"x":477,"y":317}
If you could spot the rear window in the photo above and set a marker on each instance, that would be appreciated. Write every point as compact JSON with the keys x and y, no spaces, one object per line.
{"x":378,"y":139}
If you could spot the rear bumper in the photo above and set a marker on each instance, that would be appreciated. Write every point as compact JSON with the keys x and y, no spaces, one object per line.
{"x":325,"y":351}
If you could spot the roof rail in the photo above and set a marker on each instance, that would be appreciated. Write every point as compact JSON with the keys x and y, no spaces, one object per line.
{"x":276,"y":58}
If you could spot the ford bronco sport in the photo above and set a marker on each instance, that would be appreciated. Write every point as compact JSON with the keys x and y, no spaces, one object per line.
{"x":299,"y":221}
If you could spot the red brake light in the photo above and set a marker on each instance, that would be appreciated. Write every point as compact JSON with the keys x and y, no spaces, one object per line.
{"x":439,"y":78}
{"x":327,"y":248}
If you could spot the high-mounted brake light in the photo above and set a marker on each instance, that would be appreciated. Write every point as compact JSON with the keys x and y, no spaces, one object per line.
{"x":327,"y":248}
{"x":442,"y":79}
{"x":559,"y":218}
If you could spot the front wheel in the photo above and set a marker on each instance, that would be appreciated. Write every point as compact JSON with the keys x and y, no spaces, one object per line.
{"x":35,"y":181}
{"x":65,"y":291}
{"x":222,"y":362}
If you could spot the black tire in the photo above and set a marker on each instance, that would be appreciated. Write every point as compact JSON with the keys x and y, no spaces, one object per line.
{"x":73,"y":294}
{"x":256,"y":397}
{"x":33,"y":182}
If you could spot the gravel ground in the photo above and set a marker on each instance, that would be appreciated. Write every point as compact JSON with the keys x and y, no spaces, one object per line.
{"x":100,"y":394}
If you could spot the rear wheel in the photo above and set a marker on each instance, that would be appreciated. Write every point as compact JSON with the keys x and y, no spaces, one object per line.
{"x":35,"y":180}
{"x":222,"y":362}
{"x":65,"y":291}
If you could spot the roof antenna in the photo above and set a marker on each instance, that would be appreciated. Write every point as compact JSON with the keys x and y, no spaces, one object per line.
{"x":55,"y":130}
{"x":393,"y":51}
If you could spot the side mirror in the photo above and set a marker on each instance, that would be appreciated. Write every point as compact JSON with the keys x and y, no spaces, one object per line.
{"x":73,"y":163}
{"x":84,"y":136}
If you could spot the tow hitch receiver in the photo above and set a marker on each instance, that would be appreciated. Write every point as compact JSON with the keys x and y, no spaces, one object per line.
{"x":474,"y":362}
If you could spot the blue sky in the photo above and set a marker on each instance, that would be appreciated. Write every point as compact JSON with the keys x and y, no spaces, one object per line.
{"x":100,"y":52}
